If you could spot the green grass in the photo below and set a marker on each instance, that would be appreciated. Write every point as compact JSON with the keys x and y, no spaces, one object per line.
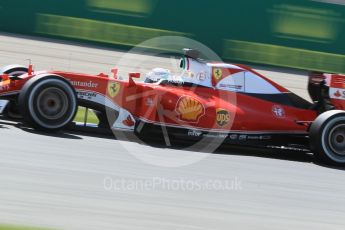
{"x":13,"y":227}
{"x":91,"y":118}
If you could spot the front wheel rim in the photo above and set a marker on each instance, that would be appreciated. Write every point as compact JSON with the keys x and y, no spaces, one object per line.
{"x":52,"y":103}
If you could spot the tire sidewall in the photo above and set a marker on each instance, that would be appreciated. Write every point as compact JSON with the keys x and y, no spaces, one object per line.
{"x":319,"y":137}
{"x":325,"y":139}
{"x":28,"y":99}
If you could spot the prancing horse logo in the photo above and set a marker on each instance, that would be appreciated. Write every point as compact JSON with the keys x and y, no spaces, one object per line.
{"x":114,"y":89}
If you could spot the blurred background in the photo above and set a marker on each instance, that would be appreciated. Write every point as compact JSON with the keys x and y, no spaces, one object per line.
{"x":302,"y":34}
{"x":58,"y":181}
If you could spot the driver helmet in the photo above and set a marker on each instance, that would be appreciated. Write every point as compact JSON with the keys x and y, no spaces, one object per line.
{"x":157,"y":74}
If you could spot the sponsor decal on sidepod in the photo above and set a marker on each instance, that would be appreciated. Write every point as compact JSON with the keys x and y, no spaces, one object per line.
{"x":222,"y":117}
{"x":88,"y":84}
{"x":189,"y":109}
{"x":278,"y":111}
{"x":86,"y":95}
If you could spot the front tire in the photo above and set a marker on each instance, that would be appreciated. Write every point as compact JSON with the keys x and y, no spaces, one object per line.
{"x":327,"y":137}
{"x":48,"y":102}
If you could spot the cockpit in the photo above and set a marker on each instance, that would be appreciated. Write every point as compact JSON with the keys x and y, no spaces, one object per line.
{"x":222,"y":76}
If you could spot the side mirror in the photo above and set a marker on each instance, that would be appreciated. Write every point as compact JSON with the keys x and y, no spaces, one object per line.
{"x":134,"y":75}
{"x":114,"y":71}
{"x":131,"y":76}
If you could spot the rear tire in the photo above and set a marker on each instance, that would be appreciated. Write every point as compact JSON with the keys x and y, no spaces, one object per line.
{"x":327,"y":137}
{"x":48,"y":102}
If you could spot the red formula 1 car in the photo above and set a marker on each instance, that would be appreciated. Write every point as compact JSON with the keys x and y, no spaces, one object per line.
{"x":207,"y":100}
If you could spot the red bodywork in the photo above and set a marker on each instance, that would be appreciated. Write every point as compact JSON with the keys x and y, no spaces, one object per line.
{"x":190,"y":107}
{"x":337,"y":91}
{"x":335,"y":85}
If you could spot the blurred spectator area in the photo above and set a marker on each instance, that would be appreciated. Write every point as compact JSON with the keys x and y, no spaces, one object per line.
{"x":304,"y":34}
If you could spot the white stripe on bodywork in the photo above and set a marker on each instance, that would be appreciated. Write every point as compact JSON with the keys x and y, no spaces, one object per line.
{"x":107,"y":102}
{"x":223,"y":131}
{"x":99,"y":99}
{"x":224,"y":65}
{"x":247,"y":82}
{"x":256,"y":84}
{"x":3,"y":104}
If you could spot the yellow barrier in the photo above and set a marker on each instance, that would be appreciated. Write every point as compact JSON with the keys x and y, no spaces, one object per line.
{"x":99,"y":31}
{"x":141,"y":7}
{"x":283,"y":56}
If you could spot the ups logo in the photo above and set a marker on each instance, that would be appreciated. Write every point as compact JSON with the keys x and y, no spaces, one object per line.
{"x":223,"y":117}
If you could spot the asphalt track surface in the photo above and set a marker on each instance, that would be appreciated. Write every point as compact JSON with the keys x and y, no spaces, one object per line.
{"x":63,"y":181}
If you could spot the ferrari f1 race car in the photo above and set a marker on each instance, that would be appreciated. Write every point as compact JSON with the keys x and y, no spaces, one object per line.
{"x":208,"y":99}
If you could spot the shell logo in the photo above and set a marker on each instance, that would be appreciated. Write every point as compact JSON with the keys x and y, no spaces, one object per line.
{"x":189,"y":109}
